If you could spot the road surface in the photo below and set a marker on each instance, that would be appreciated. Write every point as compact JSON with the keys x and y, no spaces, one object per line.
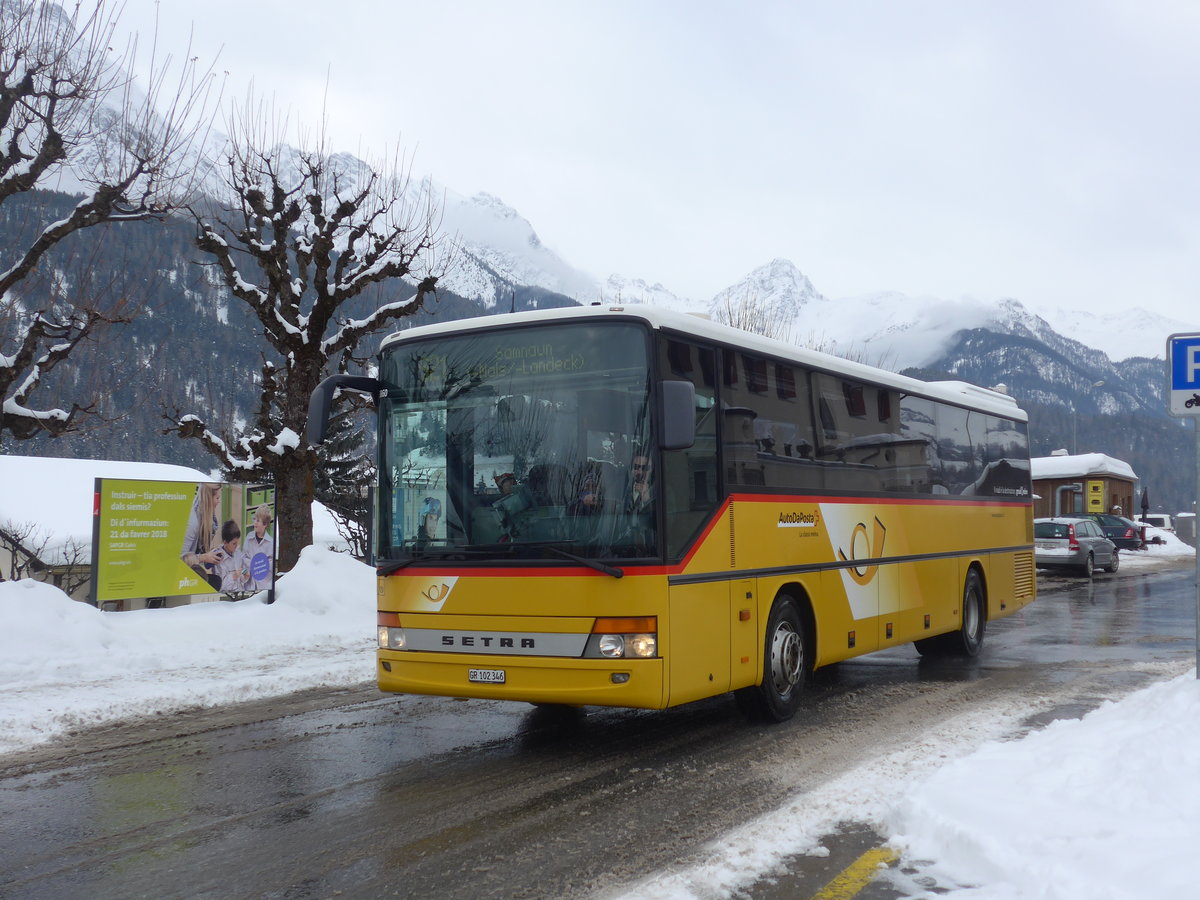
{"x":350,"y":793}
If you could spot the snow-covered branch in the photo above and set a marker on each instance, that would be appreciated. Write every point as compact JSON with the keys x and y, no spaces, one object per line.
{"x":41,"y":345}
{"x":301,"y":236}
{"x":72,"y":117}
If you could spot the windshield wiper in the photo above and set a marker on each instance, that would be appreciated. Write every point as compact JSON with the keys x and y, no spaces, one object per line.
{"x":584,"y":561}
{"x":440,"y":554}
{"x":394,"y":565}
{"x":510,"y":547}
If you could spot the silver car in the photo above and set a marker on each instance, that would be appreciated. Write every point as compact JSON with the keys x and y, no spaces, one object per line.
{"x":1070,"y":543}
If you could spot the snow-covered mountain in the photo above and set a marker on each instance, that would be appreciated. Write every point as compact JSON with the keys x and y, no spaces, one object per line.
{"x":1132,"y":332}
{"x":498,"y":250}
{"x":501,"y":249}
{"x":621,"y":289}
{"x":900,"y":331}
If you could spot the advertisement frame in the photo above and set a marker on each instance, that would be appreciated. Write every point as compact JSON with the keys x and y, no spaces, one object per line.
{"x":160,"y":541}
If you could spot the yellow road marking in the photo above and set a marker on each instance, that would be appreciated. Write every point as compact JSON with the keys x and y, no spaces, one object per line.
{"x":857,"y":875}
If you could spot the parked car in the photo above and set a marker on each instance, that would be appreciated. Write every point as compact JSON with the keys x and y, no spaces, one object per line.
{"x":1073,"y":543}
{"x":1125,"y":533}
{"x":1159,"y":520}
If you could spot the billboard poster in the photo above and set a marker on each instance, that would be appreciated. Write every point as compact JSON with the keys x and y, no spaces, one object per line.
{"x":176,"y":538}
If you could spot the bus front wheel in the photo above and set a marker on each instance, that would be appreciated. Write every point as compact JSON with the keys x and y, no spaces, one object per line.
{"x":968,"y":639}
{"x":785,"y":666}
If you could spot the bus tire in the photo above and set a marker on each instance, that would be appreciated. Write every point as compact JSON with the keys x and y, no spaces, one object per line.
{"x":785,"y":666}
{"x":967,"y":641}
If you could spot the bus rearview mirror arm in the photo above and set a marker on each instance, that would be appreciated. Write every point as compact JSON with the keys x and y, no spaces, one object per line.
{"x":322,"y":399}
{"x":677,"y":413}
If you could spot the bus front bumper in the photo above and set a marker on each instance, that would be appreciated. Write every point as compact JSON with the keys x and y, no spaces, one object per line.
{"x":574,"y":682}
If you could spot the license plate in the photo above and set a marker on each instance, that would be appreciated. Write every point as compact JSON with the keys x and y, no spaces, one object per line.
{"x":486,"y":676}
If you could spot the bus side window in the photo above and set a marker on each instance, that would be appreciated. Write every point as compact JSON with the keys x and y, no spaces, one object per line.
{"x":957,"y":448}
{"x":857,"y":442}
{"x":769,"y":435}
{"x":918,"y":429}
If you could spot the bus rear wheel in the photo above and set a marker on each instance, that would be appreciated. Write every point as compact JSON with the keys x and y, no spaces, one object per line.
{"x":785,"y":667}
{"x":968,"y":639}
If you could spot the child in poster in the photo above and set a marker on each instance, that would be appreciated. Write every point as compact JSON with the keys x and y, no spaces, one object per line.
{"x":233,"y":566}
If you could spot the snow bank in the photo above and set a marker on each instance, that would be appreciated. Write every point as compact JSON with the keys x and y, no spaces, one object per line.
{"x":1107,"y":806}
{"x":66,"y":665}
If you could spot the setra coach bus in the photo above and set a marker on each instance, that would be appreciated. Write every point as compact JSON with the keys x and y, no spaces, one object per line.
{"x":626,"y":506}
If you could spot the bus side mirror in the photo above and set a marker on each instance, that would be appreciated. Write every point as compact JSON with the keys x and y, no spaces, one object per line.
{"x":322,"y":399}
{"x":677,"y":414}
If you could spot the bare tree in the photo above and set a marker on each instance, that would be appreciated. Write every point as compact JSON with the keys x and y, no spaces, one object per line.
{"x":72,"y":118}
{"x":759,"y":317}
{"x":31,"y":549}
{"x":753,"y":314}
{"x":310,"y":232}
{"x":18,"y":540}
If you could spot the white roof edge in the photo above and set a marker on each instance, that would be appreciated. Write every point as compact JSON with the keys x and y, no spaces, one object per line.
{"x":975,"y":390}
{"x":961,"y":392}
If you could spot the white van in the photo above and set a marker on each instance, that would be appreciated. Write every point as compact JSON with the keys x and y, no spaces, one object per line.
{"x":1158,"y":520}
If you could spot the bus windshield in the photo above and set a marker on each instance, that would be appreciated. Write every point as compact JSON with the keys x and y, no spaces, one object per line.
{"x":518,"y":444}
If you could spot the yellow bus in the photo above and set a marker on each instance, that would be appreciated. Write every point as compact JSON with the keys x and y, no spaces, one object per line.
{"x":626,"y":506}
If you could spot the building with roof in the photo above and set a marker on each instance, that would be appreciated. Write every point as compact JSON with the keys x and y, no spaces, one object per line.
{"x":1064,"y":484}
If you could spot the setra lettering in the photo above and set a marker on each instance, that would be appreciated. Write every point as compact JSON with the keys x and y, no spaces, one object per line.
{"x":479,"y":640}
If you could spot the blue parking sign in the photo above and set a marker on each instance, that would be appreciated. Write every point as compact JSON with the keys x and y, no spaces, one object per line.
{"x":1183,"y":374}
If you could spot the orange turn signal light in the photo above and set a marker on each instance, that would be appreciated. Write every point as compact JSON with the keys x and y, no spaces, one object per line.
{"x":626,"y":625}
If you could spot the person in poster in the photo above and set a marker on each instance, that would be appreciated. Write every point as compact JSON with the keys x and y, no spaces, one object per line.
{"x":260,"y":550}
{"x":201,"y":541}
{"x":233,"y":565}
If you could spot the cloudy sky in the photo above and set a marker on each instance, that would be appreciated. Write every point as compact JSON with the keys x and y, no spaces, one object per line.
{"x":1043,"y":151}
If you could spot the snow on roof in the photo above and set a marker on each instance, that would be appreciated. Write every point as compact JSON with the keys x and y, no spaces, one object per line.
{"x":1077,"y":466}
{"x":56,"y":496}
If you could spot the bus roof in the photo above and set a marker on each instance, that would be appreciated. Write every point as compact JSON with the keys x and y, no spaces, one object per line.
{"x":960,"y":393}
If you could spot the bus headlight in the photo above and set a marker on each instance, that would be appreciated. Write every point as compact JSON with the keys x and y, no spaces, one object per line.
{"x":612,"y":645}
{"x":643,"y":646}
{"x":391,"y":638}
{"x":624,"y":638}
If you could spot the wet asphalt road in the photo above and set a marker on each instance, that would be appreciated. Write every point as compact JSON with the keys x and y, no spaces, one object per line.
{"x":350,"y":793}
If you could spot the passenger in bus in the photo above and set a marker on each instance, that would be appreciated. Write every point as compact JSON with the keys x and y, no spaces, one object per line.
{"x":641,"y":493}
{"x":587,"y":501}
{"x":427,"y":522}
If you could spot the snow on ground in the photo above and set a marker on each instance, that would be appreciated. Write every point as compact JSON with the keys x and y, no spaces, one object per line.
{"x":1103,"y":807}
{"x":65,"y":665}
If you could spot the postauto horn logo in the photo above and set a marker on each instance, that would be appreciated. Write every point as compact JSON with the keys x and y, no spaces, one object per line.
{"x":864,"y":546}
